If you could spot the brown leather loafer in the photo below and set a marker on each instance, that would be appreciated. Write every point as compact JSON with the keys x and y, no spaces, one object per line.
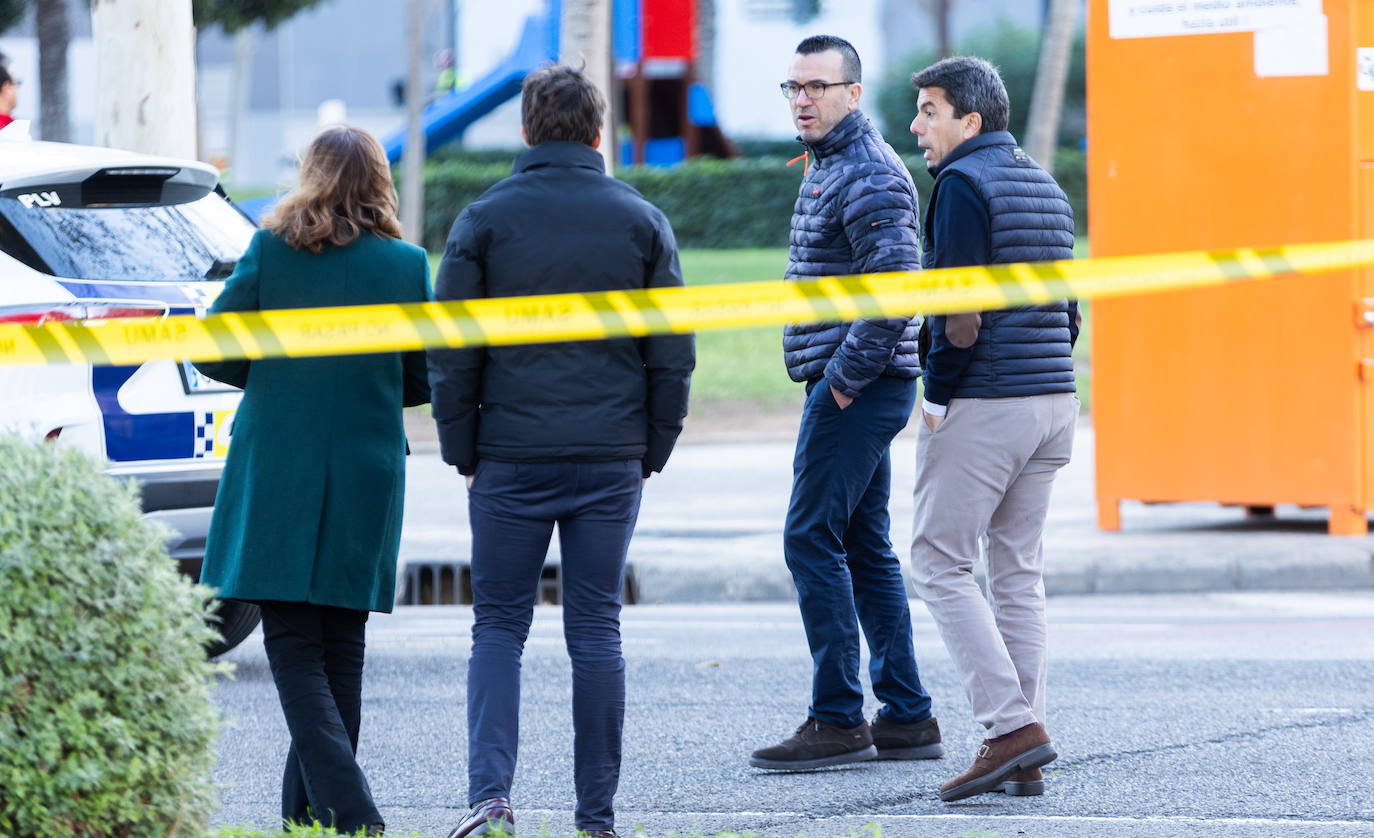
{"x":1024,"y":749}
{"x":1025,"y":783}
{"x":485,"y":817}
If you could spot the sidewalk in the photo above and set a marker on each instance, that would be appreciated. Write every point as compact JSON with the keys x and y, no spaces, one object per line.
{"x":710,"y":529}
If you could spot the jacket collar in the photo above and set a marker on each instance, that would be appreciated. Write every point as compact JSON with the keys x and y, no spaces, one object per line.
{"x":849,"y":129}
{"x":971,"y":145}
{"x":559,"y":153}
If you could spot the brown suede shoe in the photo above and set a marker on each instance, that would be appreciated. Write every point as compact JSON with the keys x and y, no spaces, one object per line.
{"x":486,"y":816}
{"x":817,"y":745}
{"x":1023,"y":749}
{"x":1025,"y":783}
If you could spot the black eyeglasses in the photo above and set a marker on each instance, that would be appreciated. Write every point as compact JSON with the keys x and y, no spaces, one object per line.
{"x":814,"y":89}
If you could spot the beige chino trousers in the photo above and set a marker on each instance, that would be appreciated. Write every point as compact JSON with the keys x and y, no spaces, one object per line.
{"x":988,"y":470}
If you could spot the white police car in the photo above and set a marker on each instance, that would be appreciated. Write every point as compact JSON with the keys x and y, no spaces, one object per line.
{"x":92,"y":233}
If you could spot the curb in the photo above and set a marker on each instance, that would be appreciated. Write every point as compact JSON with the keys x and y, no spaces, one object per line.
{"x":715,"y":581}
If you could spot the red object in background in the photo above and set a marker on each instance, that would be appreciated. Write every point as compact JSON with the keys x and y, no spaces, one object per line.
{"x":670,"y":28}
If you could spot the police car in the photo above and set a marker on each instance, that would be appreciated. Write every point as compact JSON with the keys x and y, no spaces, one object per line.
{"x":91,"y":234}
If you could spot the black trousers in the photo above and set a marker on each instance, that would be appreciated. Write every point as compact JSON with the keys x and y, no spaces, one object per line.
{"x":316,"y":655}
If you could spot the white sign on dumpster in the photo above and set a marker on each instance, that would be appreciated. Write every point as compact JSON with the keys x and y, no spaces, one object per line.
{"x":1364,"y":68}
{"x":1167,"y":18}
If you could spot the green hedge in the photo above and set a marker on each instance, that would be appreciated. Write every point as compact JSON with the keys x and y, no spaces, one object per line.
{"x":744,"y":202}
{"x":711,"y":203}
{"x":106,"y":723}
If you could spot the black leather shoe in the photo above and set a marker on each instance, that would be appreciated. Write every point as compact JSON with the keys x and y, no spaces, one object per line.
{"x":817,"y":745}
{"x":485,"y":817}
{"x":918,"y":740}
{"x":1025,"y":783}
{"x":601,"y":833}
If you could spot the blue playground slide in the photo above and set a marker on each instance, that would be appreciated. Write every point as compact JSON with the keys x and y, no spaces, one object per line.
{"x":448,"y":117}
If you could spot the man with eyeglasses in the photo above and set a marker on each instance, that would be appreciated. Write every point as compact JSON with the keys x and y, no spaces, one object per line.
{"x":856,"y":213}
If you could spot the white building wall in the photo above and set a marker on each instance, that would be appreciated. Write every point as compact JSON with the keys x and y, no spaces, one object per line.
{"x":752,"y":57}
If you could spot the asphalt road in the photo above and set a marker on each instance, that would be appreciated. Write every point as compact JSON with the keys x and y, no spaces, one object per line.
{"x":1230,"y":714}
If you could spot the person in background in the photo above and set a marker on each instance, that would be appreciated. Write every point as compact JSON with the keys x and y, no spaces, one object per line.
{"x":307,"y":523}
{"x":555,"y":434}
{"x":9,"y":92}
{"x":997,"y":420}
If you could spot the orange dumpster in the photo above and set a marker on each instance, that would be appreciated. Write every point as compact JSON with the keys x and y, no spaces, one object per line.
{"x":1214,"y":125}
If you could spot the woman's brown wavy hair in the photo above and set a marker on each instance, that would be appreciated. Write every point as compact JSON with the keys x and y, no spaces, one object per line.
{"x":345,"y":190}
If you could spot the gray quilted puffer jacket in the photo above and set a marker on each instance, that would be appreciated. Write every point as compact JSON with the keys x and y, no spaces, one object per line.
{"x":855,"y":213}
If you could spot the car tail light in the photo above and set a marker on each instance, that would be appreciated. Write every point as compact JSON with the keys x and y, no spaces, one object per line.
{"x":121,"y":312}
{"x":38,"y":318}
{"x":53,"y":435}
{"x":79,"y":312}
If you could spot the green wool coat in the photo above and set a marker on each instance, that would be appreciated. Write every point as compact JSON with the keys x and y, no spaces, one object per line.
{"x":309,"y":507}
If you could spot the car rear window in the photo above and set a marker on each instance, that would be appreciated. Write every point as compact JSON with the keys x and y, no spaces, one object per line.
{"x":201,"y":239}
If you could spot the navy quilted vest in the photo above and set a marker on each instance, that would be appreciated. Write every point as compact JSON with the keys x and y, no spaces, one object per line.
{"x":1020,"y":351}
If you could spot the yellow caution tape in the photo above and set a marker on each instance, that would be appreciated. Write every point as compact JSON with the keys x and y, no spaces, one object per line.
{"x":500,"y":321}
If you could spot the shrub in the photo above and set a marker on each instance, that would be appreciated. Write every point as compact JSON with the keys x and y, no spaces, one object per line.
{"x":449,"y":186}
{"x":106,"y":724}
{"x":744,"y":202}
{"x":723,"y":203}
{"x":455,"y":153}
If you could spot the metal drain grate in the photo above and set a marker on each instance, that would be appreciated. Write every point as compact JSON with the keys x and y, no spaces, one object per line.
{"x":450,"y":583}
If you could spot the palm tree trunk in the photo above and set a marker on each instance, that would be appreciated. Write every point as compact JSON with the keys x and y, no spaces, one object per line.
{"x":1042,"y":129}
{"x":706,"y":45}
{"x":54,"y":34}
{"x":584,"y":37}
{"x":145,"y":76}
{"x":413,"y":156}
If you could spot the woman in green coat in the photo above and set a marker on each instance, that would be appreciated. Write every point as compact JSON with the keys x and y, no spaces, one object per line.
{"x":307,"y":523}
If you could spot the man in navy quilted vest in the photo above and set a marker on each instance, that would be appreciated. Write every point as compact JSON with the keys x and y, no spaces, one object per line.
{"x":998,"y":418}
{"x":856,"y":213}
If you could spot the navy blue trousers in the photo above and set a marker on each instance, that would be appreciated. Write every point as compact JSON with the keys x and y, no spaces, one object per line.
{"x":512,"y":508}
{"x":316,"y":656}
{"x":837,"y":545}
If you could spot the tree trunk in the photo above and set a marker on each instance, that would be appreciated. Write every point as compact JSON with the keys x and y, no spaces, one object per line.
{"x":145,"y":76}
{"x":240,"y":83}
{"x":54,"y":34}
{"x":706,"y":45}
{"x":1056,"y":45}
{"x":942,"y":27}
{"x":413,"y":157}
{"x":584,"y":36}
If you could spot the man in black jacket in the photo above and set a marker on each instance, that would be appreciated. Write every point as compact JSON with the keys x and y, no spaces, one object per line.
{"x":997,"y":420}
{"x":556,"y":433}
{"x":855,"y":213}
